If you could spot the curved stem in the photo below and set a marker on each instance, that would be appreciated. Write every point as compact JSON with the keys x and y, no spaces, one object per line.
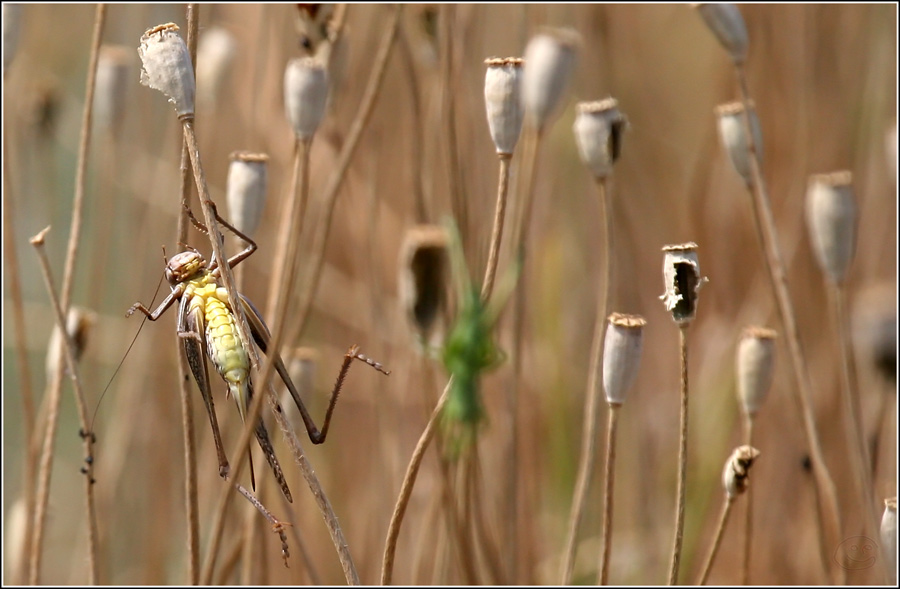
{"x":682,"y":460}
{"x":406,"y":487}
{"x":723,"y":519}
{"x":323,"y":226}
{"x":826,"y":493}
{"x":592,"y":395}
{"x":490,"y":271}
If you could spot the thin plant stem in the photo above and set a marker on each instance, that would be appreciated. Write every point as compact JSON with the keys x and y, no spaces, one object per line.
{"x":682,"y":459}
{"x":406,"y":487}
{"x":829,"y":523}
{"x":592,"y":395}
{"x":448,"y":115}
{"x":853,"y":411}
{"x":417,"y":141}
{"x":717,"y":540}
{"x":87,"y":436}
{"x":11,"y":262}
{"x":291,"y":223}
{"x":748,"y":513}
{"x":608,"y":496}
{"x":191,"y":505}
{"x":42,"y":492}
{"x":323,"y":225}
{"x":490,"y":271}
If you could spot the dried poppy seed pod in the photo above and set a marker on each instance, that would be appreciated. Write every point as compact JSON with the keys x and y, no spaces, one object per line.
{"x":831,"y":220}
{"x":737,"y":467}
{"x":549,"y":65}
{"x":12,"y":24}
{"x":79,"y":323}
{"x":755,"y":367}
{"x":113,"y":82}
{"x":501,"y":98}
{"x":246,"y":192}
{"x":733,"y":134}
{"x":621,"y":355}
{"x":423,"y":275}
{"x":216,"y":50}
{"x":875,"y":328}
{"x":167,"y":67}
{"x":889,"y":538}
{"x":727,"y":24}
{"x":681,"y":273}
{"x":305,"y":95}
{"x":598,"y":132}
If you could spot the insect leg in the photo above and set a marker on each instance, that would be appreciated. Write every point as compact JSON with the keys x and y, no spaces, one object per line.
{"x":163,"y":306}
{"x":190,"y":329}
{"x":238,"y":257}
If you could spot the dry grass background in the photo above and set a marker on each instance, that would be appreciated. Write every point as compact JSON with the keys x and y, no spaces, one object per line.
{"x":824,"y":81}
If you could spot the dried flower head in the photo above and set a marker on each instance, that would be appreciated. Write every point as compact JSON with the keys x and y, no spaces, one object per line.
{"x":167,"y":67}
{"x":305,"y":95}
{"x":246,"y":190}
{"x":737,"y":468}
{"x":113,"y":81}
{"x":733,"y":134}
{"x":598,"y":132}
{"x":621,"y":355}
{"x":549,"y":64}
{"x":423,"y":273}
{"x":12,"y":24}
{"x":889,"y":538}
{"x":727,"y":24}
{"x":681,"y":274}
{"x":831,"y":220}
{"x":755,"y":367}
{"x":79,"y":323}
{"x":502,"y":82}
{"x":216,"y":50}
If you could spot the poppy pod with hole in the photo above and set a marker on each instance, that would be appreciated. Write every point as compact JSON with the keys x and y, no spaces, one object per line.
{"x":681,"y":275}
{"x":598,"y":128}
{"x":737,"y":470}
{"x":423,"y":274}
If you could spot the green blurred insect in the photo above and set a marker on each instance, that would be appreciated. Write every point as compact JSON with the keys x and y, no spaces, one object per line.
{"x":470,"y":349}
{"x":208,"y":329}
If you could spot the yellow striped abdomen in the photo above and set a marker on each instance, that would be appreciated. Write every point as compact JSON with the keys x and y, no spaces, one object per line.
{"x":225,"y":347}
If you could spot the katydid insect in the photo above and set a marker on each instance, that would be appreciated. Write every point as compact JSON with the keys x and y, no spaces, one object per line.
{"x":207,"y":328}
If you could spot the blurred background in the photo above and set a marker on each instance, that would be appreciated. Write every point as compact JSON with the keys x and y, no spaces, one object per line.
{"x":824,"y":81}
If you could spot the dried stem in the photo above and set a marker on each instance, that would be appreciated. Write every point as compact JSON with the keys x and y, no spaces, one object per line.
{"x":682,"y":459}
{"x":723,"y":519}
{"x":831,"y":534}
{"x":608,"y":496}
{"x":862,"y":463}
{"x":42,"y":493}
{"x":184,"y":382}
{"x":592,"y":395}
{"x":490,"y":271}
{"x":748,"y":514}
{"x":288,"y":233}
{"x":87,"y":437}
{"x":11,"y":262}
{"x":406,"y":487}
{"x":323,"y":225}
